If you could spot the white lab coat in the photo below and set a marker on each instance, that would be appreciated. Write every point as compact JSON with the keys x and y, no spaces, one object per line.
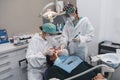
{"x":86,"y":34}
{"x":36,"y":55}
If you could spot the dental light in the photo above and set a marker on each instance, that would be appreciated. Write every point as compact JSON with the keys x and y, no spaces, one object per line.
{"x":50,"y":14}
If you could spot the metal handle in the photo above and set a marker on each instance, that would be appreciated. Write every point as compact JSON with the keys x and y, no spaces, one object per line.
{"x":22,"y":61}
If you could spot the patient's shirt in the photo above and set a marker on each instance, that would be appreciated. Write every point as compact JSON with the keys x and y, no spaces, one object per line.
{"x":67,"y":63}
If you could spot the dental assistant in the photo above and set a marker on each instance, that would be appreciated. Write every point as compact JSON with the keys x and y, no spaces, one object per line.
{"x":37,"y":50}
{"x":77,"y":32}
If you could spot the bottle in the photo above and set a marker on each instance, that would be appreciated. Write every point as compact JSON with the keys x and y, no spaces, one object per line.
{"x":57,"y":27}
{"x":60,"y":28}
{"x":16,"y":40}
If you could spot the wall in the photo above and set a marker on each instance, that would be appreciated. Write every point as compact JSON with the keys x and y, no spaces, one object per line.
{"x":91,"y":9}
{"x":110,"y":25}
{"x":105,"y":17}
{"x":21,"y":16}
{"x":110,"y":21}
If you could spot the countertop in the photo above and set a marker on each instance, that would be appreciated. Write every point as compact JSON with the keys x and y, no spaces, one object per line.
{"x":8,"y":47}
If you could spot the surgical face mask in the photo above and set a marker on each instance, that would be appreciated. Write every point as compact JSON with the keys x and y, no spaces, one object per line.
{"x":72,"y":17}
{"x":53,"y":40}
{"x":49,"y":37}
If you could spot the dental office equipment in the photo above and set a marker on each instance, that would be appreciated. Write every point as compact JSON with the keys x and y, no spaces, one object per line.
{"x":110,"y":59}
{"x":77,"y":35}
{"x":74,"y":37}
{"x":21,"y":39}
{"x":51,"y":14}
{"x":82,"y":71}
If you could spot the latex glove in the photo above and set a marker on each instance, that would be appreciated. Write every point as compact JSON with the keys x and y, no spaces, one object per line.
{"x":95,"y":58}
{"x":50,"y":51}
{"x":60,"y":52}
{"x":54,"y":56}
{"x":63,"y":52}
{"x":62,"y":46}
{"x":77,"y":39}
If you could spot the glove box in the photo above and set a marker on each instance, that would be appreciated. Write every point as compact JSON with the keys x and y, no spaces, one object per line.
{"x":3,"y":36}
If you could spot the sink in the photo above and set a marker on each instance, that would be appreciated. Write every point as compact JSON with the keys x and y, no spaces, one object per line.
{"x":111,"y":59}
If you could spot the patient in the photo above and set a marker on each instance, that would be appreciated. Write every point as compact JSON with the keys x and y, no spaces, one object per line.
{"x":99,"y":77}
{"x":67,"y":66}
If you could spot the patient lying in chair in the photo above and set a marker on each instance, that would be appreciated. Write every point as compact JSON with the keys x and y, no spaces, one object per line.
{"x":67,"y":66}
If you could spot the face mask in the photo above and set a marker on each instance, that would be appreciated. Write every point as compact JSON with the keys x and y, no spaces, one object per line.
{"x":51,"y":41}
{"x":52,"y":38}
{"x":72,"y":17}
{"x":48,"y":37}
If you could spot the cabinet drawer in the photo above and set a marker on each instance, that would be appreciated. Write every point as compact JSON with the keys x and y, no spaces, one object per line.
{"x":9,"y":77}
{"x":4,"y":57}
{"x":3,"y":65}
{"x":5,"y":73}
{"x":21,"y":54}
{"x":8,"y":74}
{"x":7,"y":56}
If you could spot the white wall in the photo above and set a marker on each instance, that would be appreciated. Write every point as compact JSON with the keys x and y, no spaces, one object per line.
{"x":110,"y":25}
{"x":110,"y":21}
{"x":105,"y":17}
{"x":91,"y":9}
{"x":21,"y":16}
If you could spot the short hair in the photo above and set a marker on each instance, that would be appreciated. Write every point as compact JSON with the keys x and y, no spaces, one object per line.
{"x":70,"y":8}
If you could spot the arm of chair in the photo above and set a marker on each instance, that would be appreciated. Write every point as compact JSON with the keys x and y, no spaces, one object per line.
{"x":91,"y":69}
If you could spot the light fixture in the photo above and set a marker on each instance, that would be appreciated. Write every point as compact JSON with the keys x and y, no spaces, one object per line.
{"x":49,"y":13}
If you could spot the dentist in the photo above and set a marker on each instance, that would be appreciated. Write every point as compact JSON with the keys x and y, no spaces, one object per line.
{"x":37,"y":50}
{"x":77,"y":32}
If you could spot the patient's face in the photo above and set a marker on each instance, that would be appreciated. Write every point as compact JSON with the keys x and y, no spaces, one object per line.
{"x":98,"y":77}
{"x":55,"y":55}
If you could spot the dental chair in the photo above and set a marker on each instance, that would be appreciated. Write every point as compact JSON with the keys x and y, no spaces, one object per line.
{"x":107,"y":69}
{"x":104,"y":68}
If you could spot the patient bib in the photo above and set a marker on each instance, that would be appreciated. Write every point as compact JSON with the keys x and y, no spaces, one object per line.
{"x":67,"y":63}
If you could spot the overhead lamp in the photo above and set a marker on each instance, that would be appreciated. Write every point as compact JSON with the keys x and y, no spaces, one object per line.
{"x":49,"y":13}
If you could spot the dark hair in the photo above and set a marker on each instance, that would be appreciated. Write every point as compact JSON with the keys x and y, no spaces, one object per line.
{"x":40,"y":27}
{"x":76,"y":11}
{"x":68,"y":6}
